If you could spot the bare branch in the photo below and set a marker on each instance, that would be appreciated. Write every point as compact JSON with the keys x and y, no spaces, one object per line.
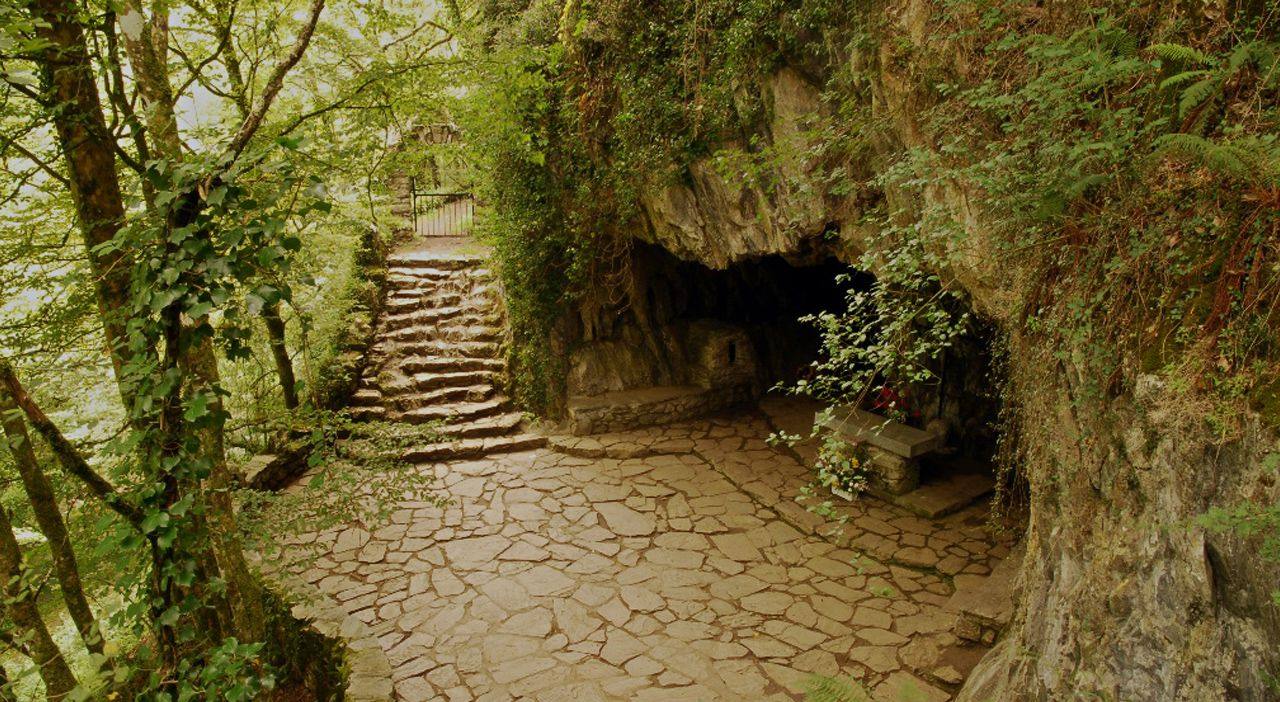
{"x":275,"y":82}
{"x":44,"y":166}
{"x":67,"y":454}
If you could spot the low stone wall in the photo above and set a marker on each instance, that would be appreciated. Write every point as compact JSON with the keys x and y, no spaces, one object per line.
{"x":336,"y":655}
{"x":635,"y":409}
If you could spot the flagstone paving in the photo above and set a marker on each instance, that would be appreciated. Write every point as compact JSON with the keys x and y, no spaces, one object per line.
{"x":665,"y":564}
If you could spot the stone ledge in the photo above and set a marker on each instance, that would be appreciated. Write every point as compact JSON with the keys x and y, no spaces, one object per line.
{"x":984,"y":605}
{"x":368,"y":671}
{"x":643,"y":407}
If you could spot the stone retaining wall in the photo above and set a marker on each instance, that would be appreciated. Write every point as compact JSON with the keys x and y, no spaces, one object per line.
{"x":361,"y":662}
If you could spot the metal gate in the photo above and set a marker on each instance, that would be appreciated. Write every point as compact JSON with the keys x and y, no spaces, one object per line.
{"x":440,"y":214}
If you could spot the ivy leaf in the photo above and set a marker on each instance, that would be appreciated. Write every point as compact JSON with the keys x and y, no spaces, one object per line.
{"x":197,"y":408}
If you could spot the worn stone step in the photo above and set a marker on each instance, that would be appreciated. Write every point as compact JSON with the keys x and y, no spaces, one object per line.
{"x":428,"y":259}
{"x":461,"y":393}
{"x":444,"y":332}
{"x":448,"y":364}
{"x":398,"y":319}
{"x":429,"y":272}
{"x":497,"y":425}
{"x":403,"y":286}
{"x":446,"y":301}
{"x":469,"y":349}
{"x":368,"y":414}
{"x":423,"y":382}
{"x":422,"y":274}
{"x":394,"y":386}
{"x":460,"y":411}
{"x":466,"y":277}
{"x":464,"y":318}
{"x":366,"y":397}
{"x":473,"y":448}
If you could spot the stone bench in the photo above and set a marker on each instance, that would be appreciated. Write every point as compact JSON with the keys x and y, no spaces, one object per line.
{"x":894,"y":447}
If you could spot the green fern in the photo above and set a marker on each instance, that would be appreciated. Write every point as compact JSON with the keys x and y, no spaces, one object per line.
{"x":1199,"y":93}
{"x":1183,"y":77}
{"x":1250,"y":161}
{"x":820,"y":688}
{"x":1209,"y":81}
{"x":1177,"y":53}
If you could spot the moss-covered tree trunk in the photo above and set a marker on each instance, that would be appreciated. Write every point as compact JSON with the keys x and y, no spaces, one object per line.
{"x":45,"y":506}
{"x":20,"y":604}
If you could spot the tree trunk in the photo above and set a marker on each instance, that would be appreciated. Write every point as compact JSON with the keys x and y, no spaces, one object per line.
{"x":72,"y":462}
{"x":146,"y":45}
{"x":244,"y":593}
{"x":280,"y":352}
{"x":20,"y":602}
{"x":72,"y":96}
{"x":45,"y":505}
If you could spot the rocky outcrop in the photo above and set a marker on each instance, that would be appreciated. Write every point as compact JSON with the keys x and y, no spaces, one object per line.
{"x":1121,"y":595}
{"x":717,"y":220}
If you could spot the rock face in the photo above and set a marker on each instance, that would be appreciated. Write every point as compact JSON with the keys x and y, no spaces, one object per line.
{"x":1120,"y":594}
{"x":716,"y":222}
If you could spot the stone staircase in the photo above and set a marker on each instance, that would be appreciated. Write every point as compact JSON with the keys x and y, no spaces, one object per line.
{"x":438,"y":357}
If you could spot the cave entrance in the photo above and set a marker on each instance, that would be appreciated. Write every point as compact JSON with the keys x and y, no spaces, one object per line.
{"x":687,"y":340}
{"x":682,"y":340}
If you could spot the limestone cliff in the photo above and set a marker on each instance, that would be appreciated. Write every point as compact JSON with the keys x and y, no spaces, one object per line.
{"x":1121,"y":595}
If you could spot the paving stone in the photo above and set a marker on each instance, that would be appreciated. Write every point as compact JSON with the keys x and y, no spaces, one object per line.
{"x":625,"y":521}
{"x":640,"y":569}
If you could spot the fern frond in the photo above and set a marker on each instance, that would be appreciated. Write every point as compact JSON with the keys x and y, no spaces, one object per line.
{"x":820,"y":688}
{"x":1246,"y":53}
{"x":1177,"y":53}
{"x":1197,"y":94}
{"x":1119,"y":41}
{"x":1183,"y":77}
{"x":1234,"y":161}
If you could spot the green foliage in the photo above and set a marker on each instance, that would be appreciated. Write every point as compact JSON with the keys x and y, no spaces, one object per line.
{"x":573,"y":118}
{"x":1252,"y":522}
{"x":820,"y":688}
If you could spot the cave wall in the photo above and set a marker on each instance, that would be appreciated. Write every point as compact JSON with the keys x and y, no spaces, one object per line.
{"x":669,"y":321}
{"x":1121,"y":595}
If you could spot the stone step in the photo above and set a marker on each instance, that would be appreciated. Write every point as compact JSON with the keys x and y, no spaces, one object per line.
{"x":366,"y":397}
{"x":369,"y":414}
{"x":428,"y":259}
{"x":474,"y":448}
{"x":404,"y":285}
{"x":419,"y":300}
{"x":422,"y":274}
{"x":497,"y":425}
{"x":408,"y":286}
{"x":423,"y":382}
{"x":983,"y":605}
{"x":448,"y":364}
{"x":410,"y":316}
{"x":427,"y":272}
{"x":469,"y":349}
{"x":443,"y":332}
{"x":418,"y":383}
{"x":399,"y":317}
{"x":461,"y":411}
{"x":463,"y":393}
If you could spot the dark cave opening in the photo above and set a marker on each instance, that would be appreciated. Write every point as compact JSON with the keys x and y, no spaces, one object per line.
{"x":736,"y":334}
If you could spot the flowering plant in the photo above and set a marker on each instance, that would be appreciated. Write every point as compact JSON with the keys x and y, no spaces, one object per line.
{"x":842,"y":465}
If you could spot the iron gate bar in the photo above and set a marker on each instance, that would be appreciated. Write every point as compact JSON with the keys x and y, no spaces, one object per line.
{"x":440,"y":213}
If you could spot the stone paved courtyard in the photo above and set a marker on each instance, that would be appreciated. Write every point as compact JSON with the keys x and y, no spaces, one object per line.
{"x":665,"y":564}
